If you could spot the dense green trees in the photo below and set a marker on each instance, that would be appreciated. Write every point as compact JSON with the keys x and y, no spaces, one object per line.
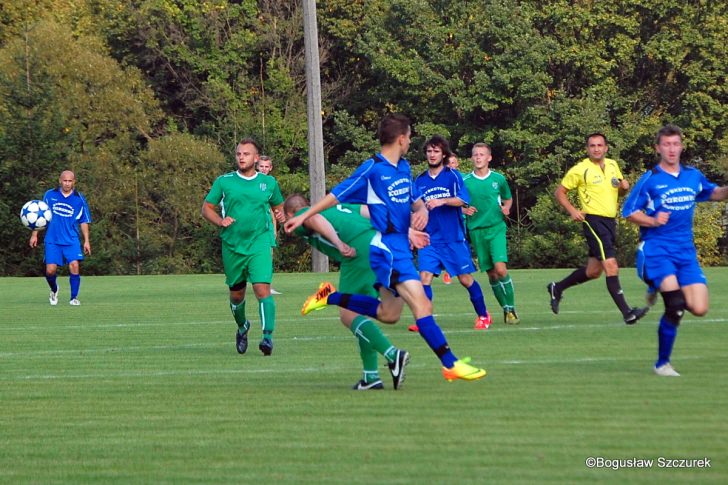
{"x":146,"y":99}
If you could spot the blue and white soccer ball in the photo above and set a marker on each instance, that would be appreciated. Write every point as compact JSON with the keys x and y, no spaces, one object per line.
{"x":35,"y":215}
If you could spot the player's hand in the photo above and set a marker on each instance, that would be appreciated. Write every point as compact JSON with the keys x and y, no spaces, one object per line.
{"x":577,"y":216}
{"x":506,"y":211}
{"x":279,"y":215}
{"x":227,"y":222}
{"x":418,"y":239}
{"x":624,"y":185}
{"x":661,"y":218}
{"x":87,"y":248}
{"x":346,"y":250}
{"x":33,"y":240}
{"x":469,"y":210}
{"x":292,"y":223}
{"x":432,"y":203}
{"x":419,"y":218}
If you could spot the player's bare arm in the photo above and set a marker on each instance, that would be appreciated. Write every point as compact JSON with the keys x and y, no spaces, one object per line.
{"x":320,"y":225}
{"x":452,"y":201}
{"x":420,"y":216}
{"x":209,"y":212}
{"x":563,"y":199}
{"x":278,"y":213}
{"x":418,"y":239}
{"x":329,"y":200}
{"x":469,"y":210}
{"x":86,"y":239}
{"x":643,"y":220}
{"x":720,"y":193}
{"x":506,"y":207}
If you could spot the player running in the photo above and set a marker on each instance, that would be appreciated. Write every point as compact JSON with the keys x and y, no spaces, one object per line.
{"x":344,"y":233}
{"x":384,"y":183}
{"x":662,"y":203}
{"x":444,"y":195}
{"x":490,"y":204}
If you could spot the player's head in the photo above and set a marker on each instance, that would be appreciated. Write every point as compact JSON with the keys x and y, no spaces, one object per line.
{"x":293,"y":204}
{"x":596,"y":146}
{"x":437,"y":150}
{"x":668,"y":144}
{"x":246,"y":154}
{"x":481,"y":155}
{"x":452,"y":161}
{"x":66,"y":181}
{"x":265,"y":164}
{"x":394,"y":129}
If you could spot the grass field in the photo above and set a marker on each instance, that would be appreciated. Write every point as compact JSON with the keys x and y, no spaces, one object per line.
{"x":142,"y":384}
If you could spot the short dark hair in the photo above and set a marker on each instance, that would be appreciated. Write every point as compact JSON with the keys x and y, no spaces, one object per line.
{"x":265,"y":158}
{"x":249,"y":141}
{"x":392,"y":126}
{"x":441,"y":143}
{"x":668,"y":130}
{"x":294,"y":203}
{"x":596,"y":133}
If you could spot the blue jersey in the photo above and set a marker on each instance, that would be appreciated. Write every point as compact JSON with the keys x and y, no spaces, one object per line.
{"x":68,"y":212}
{"x":387,"y":190}
{"x":446,"y":223}
{"x":658,"y":191}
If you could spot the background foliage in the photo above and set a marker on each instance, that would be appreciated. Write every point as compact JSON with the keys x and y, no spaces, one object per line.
{"x":145,"y":100}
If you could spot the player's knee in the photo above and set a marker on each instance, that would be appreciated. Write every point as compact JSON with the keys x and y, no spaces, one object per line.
{"x":387,"y":315}
{"x":674,"y":305}
{"x":699,"y":310}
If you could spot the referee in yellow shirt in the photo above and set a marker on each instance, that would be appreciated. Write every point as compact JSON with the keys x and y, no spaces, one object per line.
{"x":599,"y":183}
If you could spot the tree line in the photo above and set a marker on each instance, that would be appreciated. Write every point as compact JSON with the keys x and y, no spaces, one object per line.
{"x":146,"y":99}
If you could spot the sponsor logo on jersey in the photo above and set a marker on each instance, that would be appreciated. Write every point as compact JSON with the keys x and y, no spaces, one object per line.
{"x":62,"y":209}
{"x":399,"y":190}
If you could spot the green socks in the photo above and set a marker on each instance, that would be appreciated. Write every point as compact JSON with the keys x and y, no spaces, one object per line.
{"x":371,"y":342}
{"x":239,"y":315}
{"x":267,"y":311}
{"x":503,"y":291}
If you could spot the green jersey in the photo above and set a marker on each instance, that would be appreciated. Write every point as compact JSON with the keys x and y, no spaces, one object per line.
{"x":248,"y":201}
{"x":348,"y":223}
{"x":486,"y":195}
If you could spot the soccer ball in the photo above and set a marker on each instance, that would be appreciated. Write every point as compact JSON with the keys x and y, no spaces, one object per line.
{"x":35,"y":215}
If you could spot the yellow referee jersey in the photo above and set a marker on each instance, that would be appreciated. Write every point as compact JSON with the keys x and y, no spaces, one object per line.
{"x":598,"y":193}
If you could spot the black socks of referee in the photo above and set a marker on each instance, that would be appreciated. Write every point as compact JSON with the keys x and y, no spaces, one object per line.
{"x":576,"y":278}
{"x":615,"y":289}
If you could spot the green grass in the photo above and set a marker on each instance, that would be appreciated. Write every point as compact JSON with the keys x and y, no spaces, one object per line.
{"x":142,"y":384}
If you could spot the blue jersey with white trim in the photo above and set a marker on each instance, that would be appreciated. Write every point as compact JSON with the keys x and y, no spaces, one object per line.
{"x":68,"y":212}
{"x":387,"y":190}
{"x":660,"y":191}
{"x":446,"y":223}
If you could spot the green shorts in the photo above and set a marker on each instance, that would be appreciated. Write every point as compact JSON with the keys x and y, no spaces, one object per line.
{"x":256,"y":267}
{"x":356,"y":275}
{"x":491,"y":246}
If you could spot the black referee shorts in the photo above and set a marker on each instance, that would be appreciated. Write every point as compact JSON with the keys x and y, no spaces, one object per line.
{"x":601,"y":234}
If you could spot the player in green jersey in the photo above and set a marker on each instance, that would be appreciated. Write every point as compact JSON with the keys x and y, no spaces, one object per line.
{"x":343,"y":233}
{"x":490,"y":203}
{"x":246,"y":197}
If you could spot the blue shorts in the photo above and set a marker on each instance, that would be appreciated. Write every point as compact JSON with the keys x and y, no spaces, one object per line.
{"x":657,"y":260}
{"x":453,"y":257}
{"x":391,"y":260}
{"x":61,"y":255}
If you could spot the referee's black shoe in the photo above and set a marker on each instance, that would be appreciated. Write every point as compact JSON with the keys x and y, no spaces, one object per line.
{"x":635,"y":314}
{"x":555,"y":297}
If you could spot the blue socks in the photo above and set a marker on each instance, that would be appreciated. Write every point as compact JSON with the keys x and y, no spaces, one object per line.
{"x":666,"y":334}
{"x":75,"y":284}
{"x":52,"y":282}
{"x":436,"y":340}
{"x":477,"y":299}
{"x":361,"y":304}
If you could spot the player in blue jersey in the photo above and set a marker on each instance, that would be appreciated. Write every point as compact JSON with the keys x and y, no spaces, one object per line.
{"x":444,"y":194}
{"x":384,"y":183}
{"x":62,"y":244}
{"x":662,"y":203}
